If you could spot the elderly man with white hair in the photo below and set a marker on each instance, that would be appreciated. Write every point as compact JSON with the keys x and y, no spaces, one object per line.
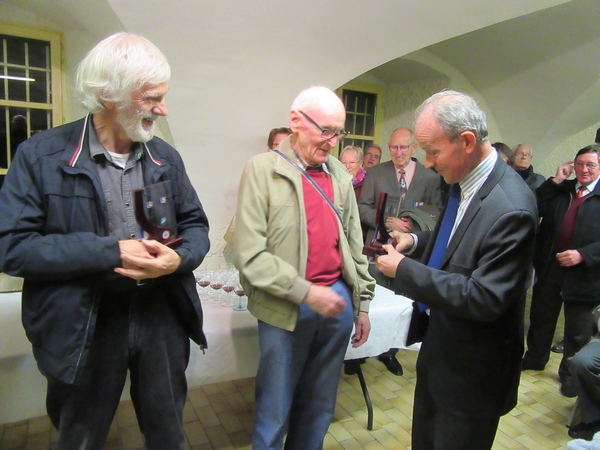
{"x":298,"y":247}
{"x":99,"y":301}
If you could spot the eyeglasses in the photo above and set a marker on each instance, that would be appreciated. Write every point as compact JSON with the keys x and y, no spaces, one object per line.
{"x":523,"y":155}
{"x":399,"y":148}
{"x":325,"y":133}
{"x":581,"y":165}
{"x":372,"y":155}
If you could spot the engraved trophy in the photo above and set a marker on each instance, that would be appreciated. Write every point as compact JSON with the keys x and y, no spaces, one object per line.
{"x":155,"y":213}
{"x":381,"y":235}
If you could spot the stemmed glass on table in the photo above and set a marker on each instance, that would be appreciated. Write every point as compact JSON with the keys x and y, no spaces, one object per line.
{"x":239,"y":291}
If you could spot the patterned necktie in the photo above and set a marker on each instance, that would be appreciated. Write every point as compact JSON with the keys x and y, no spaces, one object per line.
{"x":402,"y":185}
{"x":441,"y":241}
{"x":580,"y":191}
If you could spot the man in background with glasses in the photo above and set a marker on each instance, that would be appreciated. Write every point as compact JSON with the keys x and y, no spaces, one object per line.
{"x":567,"y":263}
{"x":298,"y":247}
{"x":372,"y":156}
{"x":408,"y":184}
{"x":522,"y":157}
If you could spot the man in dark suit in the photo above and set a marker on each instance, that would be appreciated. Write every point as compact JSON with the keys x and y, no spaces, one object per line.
{"x":408,"y":184}
{"x":567,"y":263}
{"x":468,"y":367}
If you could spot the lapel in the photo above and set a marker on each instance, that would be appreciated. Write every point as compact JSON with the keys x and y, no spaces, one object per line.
{"x":473,"y":209}
{"x":392,"y":179}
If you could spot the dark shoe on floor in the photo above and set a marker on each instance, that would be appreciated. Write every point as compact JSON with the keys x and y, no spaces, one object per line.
{"x":392,"y":364}
{"x":567,"y":389}
{"x":351,"y":365}
{"x":559,"y":347}
{"x":584,"y":431}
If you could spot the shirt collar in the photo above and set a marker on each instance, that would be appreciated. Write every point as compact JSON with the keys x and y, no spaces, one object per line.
{"x":97,"y":149}
{"x":304,"y":165}
{"x":473,"y":181}
{"x":589,"y":188}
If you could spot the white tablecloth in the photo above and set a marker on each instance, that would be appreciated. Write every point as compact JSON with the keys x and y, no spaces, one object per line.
{"x":390,"y":317}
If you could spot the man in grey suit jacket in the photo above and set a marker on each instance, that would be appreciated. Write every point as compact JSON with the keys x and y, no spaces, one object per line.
{"x":423,"y":185}
{"x":422,"y":188}
{"x":468,"y":367}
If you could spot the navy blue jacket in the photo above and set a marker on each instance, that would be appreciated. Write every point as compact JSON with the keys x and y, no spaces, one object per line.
{"x":54,"y":234}
{"x":582,"y":282}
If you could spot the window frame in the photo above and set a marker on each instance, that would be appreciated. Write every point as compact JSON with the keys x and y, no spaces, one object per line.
{"x":369,"y":89}
{"x":57,"y":82}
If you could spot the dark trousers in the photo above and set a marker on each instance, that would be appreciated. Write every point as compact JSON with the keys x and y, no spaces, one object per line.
{"x":579,"y":328}
{"x":546,"y":303}
{"x":543,"y":316}
{"x":585,"y":367}
{"x":436,"y":429}
{"x":136,"y":330}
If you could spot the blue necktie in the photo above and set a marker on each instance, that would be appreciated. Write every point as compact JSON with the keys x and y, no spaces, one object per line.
{"x":441,"y":242}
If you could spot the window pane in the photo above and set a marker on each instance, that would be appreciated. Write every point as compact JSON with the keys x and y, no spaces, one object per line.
{"x":17,"y":88}
{"x":40,"y":120}
{"x":18,"y":128}
{"x":360,"y":112}
{"x":39,"y":52}
{"x":3,"y":138}
{"x":15,"y":50}
{"x":39,"y":88}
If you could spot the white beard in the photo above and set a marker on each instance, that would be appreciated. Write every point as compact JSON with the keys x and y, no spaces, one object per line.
{"x":132,"y":122}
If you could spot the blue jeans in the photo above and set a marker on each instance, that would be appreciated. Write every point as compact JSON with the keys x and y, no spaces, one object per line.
{"x":298,"y":374}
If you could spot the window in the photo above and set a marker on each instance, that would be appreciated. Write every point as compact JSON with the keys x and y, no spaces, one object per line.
{"x":364,"y":114}
{"x":30,"y":87}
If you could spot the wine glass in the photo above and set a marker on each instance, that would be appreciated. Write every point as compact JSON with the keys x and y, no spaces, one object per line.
{"x":216,"y":283}
{"x":239,"y":291}
{"x":228,"y":287}
{"x":203,"y":278}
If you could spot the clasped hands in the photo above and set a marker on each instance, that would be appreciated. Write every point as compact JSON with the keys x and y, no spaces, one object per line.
{"x":143,"y":259}
{"x":387,"y":264}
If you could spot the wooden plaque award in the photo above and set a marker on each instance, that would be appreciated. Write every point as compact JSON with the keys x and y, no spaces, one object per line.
{"x":155,"y":213}
{"x":381,"y":236}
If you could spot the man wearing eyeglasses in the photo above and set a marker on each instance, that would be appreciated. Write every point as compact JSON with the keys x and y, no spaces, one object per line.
{"x":372,"y":156}
{"x":405,"y":180}
{"x":408,"y":184}
{"x":298,"y":247}
{"x":567,"y":263}
{"x":522,"y":157}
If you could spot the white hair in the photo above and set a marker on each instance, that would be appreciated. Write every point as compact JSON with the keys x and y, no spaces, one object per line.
{"x":118,"y":66}
{"x":318,"y":98}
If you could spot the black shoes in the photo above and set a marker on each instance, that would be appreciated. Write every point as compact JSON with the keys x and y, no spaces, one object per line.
{"x":567,"y":388}
{"x":351,"y":365}
{"x":391,"y":363}
{"x":559,"y":347}
{"x":584,"y":431}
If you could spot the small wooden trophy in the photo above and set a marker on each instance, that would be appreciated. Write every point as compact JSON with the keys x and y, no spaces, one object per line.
{"x":155,"y":214}
{"x":381,"y":234}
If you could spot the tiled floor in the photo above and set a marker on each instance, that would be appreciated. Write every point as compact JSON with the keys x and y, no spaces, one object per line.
{"x":219,"y":416}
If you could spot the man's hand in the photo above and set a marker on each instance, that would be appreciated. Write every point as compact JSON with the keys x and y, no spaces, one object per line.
{"x":563,"y":172}
{"x":402,"y":241}
{"x":151,"y":260}
{"x":569,"y":258}
{"x":362,"y":327}
{"x":324,"y":301}
{"x":387,"y":264}
{"x":401,"y":224}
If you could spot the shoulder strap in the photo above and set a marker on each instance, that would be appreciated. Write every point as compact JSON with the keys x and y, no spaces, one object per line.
{"x":314,"y":183}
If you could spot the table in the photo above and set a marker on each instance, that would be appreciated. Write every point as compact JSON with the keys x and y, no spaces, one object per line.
{"x":390,"y":317}
{"x":233,"y":341}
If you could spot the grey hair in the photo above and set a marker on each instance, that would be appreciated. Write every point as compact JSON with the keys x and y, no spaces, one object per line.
{"x":456,"y":112}
{"x":352,"y":148}
{"x":118,"y":66}
{"x":318,"y":98}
